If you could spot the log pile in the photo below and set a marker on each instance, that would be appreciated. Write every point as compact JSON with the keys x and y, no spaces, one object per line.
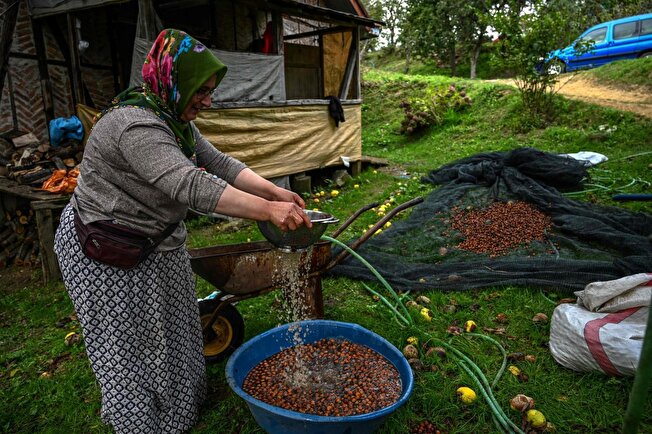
{"x":28,"y":162}
{"x":18,"y":239}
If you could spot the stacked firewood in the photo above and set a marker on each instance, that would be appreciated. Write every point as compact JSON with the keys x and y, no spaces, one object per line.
{"x":19,"y":239}
{"x":26,"y":161}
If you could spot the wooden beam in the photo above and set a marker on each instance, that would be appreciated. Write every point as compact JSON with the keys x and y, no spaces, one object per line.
{"x":17,"y":55}
{"x":215,"y":10}
{"x":44,"y":74}
{"x":277,"y":25}
{"x":320,"y":32}
{"x":74,"y":65}
{"x":12,"y":102}
{"x":356,"y":40}
{"x":319,"y":13}
{"x":7,"y":25}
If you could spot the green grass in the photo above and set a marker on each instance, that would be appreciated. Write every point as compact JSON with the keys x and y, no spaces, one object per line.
{"x":633,"y":72}
{"x":395,"y":61}
{"x":69,"y":400}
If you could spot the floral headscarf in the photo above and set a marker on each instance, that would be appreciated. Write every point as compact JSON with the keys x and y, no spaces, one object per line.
{"x":176,"y":67}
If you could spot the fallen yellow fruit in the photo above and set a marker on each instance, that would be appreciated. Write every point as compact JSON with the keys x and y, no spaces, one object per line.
{"x":356,"y":186}
{"x":514,"y":370}
{"x":412,"y":340}
{"x":536,"y":418}
{"x":470,"y":326}
{"x":388,"y":224}
{"x":315,"y":200}
{"x":334,"y":193}
{"x":426,"y":314}
{"x":466,"y":395}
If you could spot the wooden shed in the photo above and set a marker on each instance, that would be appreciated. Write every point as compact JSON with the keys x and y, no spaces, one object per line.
{"x":285,"y":57}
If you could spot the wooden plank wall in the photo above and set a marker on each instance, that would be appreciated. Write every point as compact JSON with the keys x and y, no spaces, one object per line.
{"x":25,"y":82}
{"x":303,"y":74}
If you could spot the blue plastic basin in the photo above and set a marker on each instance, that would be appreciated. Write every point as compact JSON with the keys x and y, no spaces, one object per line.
{"x":276,"y":420}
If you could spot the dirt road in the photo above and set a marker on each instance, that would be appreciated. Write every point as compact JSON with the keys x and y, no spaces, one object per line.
{"x":634,"y":99}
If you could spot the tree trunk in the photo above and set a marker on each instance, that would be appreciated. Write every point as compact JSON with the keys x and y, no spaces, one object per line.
{"x":408,"y":58}
{"x":7,"y":26}
{"x":453,"y":61}
{"x":475,"y":54}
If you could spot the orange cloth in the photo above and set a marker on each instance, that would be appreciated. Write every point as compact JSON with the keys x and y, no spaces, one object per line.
{"x":61,"y":181}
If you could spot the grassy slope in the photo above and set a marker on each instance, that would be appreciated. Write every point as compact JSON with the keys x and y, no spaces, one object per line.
{"x":30,"y":342}
{"x":625,"y":73}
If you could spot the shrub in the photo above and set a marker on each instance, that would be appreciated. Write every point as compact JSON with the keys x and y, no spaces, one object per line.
{"x":429,"y":109}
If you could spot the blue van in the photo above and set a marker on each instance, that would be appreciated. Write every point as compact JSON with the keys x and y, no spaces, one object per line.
{"x":626,"y":38}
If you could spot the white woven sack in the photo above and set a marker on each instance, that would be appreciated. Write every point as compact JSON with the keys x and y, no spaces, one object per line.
{"x":617,"y":295}
{"x":591,"y":341}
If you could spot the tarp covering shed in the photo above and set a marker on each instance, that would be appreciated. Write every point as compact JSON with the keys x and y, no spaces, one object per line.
{"x":336,"y":50}
{"x":284,"y":139}
{"x":250,"y":77}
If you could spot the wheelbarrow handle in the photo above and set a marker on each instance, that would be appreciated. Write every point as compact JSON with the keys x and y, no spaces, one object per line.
{"x":379,"y":224}
{"x":353,"y":217}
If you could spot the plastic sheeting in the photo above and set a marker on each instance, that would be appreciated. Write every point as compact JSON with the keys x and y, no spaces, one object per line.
{"x":336,"y":54}
{"x":284,"y":140}
{"x":250,"y":77}
{"x":277,"y":141}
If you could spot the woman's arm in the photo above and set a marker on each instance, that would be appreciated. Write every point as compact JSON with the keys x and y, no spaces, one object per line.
{"x":237,"y":203}
{"x":250,"y":182}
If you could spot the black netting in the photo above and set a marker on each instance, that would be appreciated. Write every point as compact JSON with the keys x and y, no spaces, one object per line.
{"x":586,"y":243}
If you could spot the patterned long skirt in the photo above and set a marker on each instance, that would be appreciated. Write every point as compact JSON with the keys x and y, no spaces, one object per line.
{"x":142,"y":334}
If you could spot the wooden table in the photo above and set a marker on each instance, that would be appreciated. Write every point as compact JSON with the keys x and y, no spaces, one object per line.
{"x":44,"y":205}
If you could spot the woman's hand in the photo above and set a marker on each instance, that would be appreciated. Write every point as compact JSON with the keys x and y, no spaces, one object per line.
{"x":284,"y":195}
{"x":288,"y":216}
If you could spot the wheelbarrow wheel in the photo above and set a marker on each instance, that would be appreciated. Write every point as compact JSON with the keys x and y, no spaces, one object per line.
{"x":227,"y":331}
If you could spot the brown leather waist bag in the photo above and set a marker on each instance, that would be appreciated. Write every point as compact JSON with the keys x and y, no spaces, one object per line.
{"x":115,"y":244}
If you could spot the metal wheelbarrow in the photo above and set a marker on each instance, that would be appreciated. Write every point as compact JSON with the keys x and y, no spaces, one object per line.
{"x":242,"y":271}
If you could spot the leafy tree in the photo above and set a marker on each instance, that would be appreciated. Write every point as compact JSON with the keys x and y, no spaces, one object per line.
{"x":429,"y":30}
{"x":375,"y":10}
{"x":529,"y":31}
{"x":448,"y":28}
{"x":392,"y":12}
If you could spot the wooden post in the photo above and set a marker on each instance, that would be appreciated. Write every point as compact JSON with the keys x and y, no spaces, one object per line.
{"x":356,"y":73}
{"x":8,"y":20}
{"x":639,"y":393}
{"x":45,"y":226}
{"x":74,"y":65}
{"x":44,"y":75}
{"x":277,"y":25}
{"x":116,"y":61}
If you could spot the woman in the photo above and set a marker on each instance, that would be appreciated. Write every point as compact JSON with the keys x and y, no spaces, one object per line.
{"x":144,"y":165}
